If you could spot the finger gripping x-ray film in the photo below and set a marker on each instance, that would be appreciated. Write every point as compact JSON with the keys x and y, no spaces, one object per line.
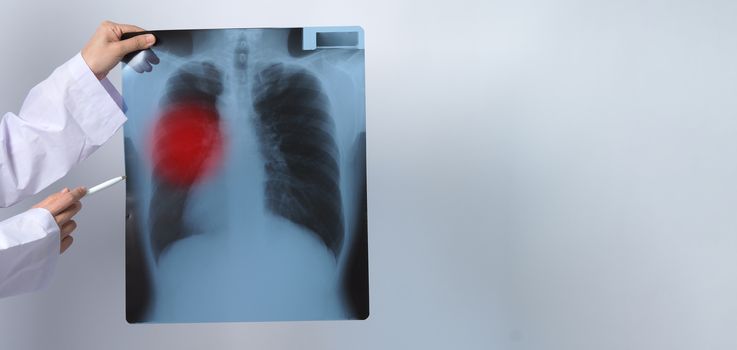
{"x":245,"y":152}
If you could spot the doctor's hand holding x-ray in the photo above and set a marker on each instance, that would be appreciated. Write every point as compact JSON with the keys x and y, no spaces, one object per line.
{"x":62,"y":121}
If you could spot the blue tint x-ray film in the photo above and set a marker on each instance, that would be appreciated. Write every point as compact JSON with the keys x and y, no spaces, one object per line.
{"x":246,"y":161}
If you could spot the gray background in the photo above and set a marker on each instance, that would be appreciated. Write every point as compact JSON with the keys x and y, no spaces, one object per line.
{"x":542,"y":175}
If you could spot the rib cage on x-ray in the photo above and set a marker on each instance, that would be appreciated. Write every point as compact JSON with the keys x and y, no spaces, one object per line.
{"x":297,"y":142}
{"x":290,"y":112}
{"x":199,"y":82}
{"x":296,"y":133}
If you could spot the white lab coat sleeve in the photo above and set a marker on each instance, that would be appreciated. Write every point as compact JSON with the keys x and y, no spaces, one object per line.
{"x":62,"y":121}
{"x":29,"y":248}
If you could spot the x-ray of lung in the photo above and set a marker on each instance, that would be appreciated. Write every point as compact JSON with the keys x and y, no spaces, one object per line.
{"x":245,"y":151}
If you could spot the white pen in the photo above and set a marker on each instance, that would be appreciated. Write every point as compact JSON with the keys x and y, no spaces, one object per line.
{"x":105,"y":185}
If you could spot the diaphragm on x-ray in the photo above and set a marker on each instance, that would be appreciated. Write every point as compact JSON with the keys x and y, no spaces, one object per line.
{"x":245,"y":152}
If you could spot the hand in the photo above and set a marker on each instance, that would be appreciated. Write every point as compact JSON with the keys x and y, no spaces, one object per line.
{"x":63,"y":205}
{"x":105,"y":49}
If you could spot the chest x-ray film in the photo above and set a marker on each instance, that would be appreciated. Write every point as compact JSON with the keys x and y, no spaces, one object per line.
{"x":246,"y":162}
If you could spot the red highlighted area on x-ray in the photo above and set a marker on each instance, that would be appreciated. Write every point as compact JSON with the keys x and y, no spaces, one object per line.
{"x":187,"y":143}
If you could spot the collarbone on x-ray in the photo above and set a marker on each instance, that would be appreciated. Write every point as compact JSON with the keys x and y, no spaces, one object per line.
{"x":245,"y":153}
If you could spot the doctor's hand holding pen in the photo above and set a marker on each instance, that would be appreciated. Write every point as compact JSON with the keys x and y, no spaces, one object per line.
{"x":63,"y":205}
